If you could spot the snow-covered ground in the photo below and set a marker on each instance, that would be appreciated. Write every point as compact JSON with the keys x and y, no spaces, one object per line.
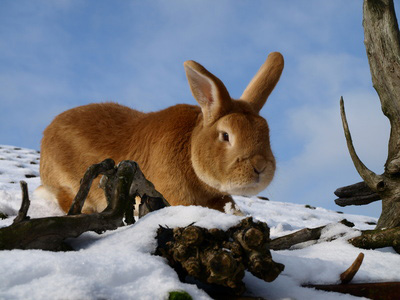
{"x":119,"y":264}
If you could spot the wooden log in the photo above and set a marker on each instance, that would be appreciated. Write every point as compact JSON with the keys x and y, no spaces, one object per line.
{"x":373,"y":239}
{"x":381,"y":290}
{"x":303,"y":235}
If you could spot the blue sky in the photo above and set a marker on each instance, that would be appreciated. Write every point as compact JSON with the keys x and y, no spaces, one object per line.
{"x":55,"y":55}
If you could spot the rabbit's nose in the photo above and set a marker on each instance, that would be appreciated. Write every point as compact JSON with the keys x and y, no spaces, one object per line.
{"x":259,"y":164}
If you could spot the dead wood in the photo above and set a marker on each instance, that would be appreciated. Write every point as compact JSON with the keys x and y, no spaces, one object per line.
{"x":382,"y":43}
{"x":381,"y":290}
{"x":22,"y":213}
{"x":303,"y":235}
{"x":356,"y":194}
{"x":219,"y":257}
{"x":349,"y":274}
{"x":50,"y":233}
{"x":369,"y":239}
{"x":91,"y":173}
{"x":358,"y":200}
{"x":374,"y":239}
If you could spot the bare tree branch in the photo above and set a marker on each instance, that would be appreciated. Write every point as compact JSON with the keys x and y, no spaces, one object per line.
{"x":301,"y":236}
{"x":360,"y":200}
{"x":373,"y":239}
{"x":372,"y":180}
{"x":22,"y":214}
{"x":92,"y":172}
{"x":356,"y":194}
{"x":355,"y":190}
{"x":349,"y":274}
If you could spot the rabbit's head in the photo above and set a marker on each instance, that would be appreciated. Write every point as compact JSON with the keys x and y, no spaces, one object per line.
{"x":230,"y":145}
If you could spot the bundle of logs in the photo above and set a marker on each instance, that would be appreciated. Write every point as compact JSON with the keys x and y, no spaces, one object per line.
{"x":220,"y":257}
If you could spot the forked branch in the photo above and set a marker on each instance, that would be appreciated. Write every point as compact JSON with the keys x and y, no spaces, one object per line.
{"x":356,"y":194}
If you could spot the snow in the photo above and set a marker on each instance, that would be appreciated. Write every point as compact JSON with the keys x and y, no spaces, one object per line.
{"x":119,"y":264}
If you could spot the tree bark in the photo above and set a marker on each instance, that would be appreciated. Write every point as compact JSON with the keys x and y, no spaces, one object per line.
{"x":382,"y":42}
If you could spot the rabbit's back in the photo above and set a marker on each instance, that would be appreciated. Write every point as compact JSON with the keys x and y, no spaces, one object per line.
{"x":78,"y":138}
{"x":88,"y":134}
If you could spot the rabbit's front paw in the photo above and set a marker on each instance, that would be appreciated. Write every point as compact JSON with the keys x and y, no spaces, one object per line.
{"x":231,"y":208}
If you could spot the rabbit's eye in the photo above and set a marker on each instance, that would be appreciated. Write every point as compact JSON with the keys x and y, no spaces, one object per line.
{"x":225,"y":136}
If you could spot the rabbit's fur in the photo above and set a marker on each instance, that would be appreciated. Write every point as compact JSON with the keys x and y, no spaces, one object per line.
{"x":193,"y":155}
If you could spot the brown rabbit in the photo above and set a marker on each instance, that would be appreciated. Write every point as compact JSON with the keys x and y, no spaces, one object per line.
{"x":193,"y":155}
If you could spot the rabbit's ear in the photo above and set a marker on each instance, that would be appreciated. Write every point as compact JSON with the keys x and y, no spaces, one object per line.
{"x":263,"y":83}
{"x":208,"y":90}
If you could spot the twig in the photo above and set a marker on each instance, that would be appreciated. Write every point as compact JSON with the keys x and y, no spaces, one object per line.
{"x":91,"y":173}
{"x":23,"y":211}
{"x":373,"y":180}
{"x":349,"y":274}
